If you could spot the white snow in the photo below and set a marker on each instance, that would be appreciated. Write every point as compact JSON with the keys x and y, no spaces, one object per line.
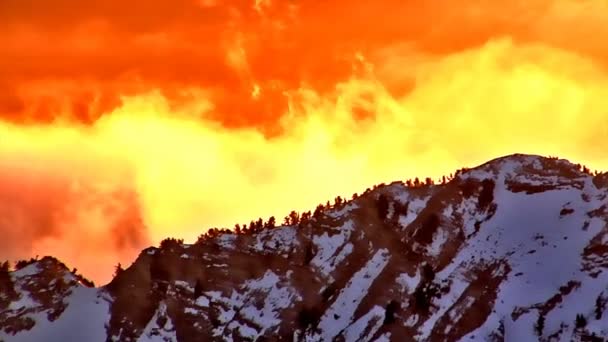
{"x":343,"y":210}
{"x":332,"y":249}
{"x":155,"y":333}
{"x":27,"y":271}
{"x":275,"y":294}
{"x":184,"y":285}
{"x":439,"y":238}
{"x":409,"y":284}
{"x":24,"y":301}
{"x":202,"y":301}
{"x":544,"y":252}
{"x":386,"y":337}
{"x":191,"y":311}
{"x":457,"y":287}
{"x":278,"y":240}
{"x":371,"y":321}
{"x":243,"y":329}
{"x":339,"y":315}
{"x":226,"y":241}
{"x":415,"y":206}
{"x":84,"y":319}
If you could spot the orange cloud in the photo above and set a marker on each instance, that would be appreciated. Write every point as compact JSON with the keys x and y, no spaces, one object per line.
{"x":172,"y":117}
{"x":67,"y":213}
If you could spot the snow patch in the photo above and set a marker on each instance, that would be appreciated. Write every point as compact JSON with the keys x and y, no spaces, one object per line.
{"x":27,"y":271}
{"x":155,"y":333}
{"x":339,"y":315}
{"x":277,"y":240}
{"x":415,"y":206}
{"x":332,"y":249}
{"x":370,"y":323}
{"x":84,"y":319}
{"x":408,"y":284}
{"x":343,"y":210}
{"x":269,"y":290}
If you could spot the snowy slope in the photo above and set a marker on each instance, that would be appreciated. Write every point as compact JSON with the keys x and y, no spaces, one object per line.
{"x":82,"y":312}
{"x":512,"y":250}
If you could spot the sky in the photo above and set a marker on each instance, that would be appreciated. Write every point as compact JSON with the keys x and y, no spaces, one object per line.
{"x":122,"y":123}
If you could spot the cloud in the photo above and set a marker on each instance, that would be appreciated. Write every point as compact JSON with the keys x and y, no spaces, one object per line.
{"x":119,"y":48}
{"x":71,"y":216}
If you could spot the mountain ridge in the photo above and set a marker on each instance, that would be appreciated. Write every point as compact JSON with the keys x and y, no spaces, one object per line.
{"x":471,"y":259}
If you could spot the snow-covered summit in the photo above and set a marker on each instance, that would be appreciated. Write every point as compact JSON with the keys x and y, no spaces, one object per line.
{"x":513,"y":250}
{"x":44,"y":301}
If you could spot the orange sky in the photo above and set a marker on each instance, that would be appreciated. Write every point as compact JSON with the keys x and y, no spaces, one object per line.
{"x":125,"y":122}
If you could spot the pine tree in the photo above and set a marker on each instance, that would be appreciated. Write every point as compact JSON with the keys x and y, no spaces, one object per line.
{"x":305,"y":218}
{"x":294,"y":218}
{"x":501,"y":327}
{"x":600,"y":304}
{"x":4,"y":267}
{"x":580,"y":321}
{"x":428,"y":273}
{"x":308,"y":317}
{"x":318,"y":212}
{"x":272,"y":222}
{"x":118,"y":270}
{"x":382,"y":205}
{"x":198,"y":289}
{"x":540,"y":324}
{"x":308,"y":254}
{"x":171,"y":243}
{"x":389,"y":313}
{"x":338,"y":201}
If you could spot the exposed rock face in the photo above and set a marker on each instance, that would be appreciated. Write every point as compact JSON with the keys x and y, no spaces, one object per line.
{"x":512,"y":250}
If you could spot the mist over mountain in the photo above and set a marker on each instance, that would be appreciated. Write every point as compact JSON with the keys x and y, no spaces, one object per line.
{"x":511,"y":250}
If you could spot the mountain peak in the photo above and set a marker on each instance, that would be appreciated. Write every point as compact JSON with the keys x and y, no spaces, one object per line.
{"x":530,"y":164}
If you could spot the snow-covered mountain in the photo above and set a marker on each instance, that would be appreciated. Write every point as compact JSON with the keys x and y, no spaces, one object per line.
{"x":513,"y":250}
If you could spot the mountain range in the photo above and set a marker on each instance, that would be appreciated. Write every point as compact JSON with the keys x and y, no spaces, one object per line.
{"x":515,"y":249}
